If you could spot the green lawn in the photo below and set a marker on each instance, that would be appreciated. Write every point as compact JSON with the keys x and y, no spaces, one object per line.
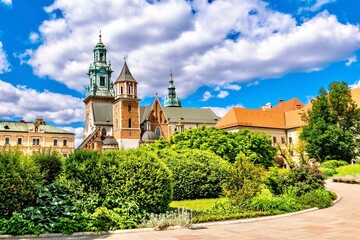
{"x":350,"y":170}
{"x":197,"y":204}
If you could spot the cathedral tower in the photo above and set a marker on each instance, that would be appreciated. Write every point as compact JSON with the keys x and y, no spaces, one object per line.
{"x":172,"y":100}
{"x":126,"y":110}
{"x":99,"y":92}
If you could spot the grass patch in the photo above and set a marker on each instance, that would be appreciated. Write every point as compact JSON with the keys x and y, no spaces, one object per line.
{"x":351,"y":170}
{"x":197,"y":204}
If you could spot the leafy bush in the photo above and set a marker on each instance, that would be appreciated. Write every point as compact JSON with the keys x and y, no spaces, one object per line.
{"x":53,"y":204}
{"x":280,"y":204}
{"x":328,"y":172}
{"x":274,"y":180}
{"x":196,"y":173}
{"x":304,"y":179}
{"x":104,"y":219}
{"x":243,"y":181}
{"x":227,"y":145}
{"x":317,"y":198}
{"x":19,"y":179}
{"x":112,"y":177}
{"x":334,"y":164}
{"x":50,"y":164}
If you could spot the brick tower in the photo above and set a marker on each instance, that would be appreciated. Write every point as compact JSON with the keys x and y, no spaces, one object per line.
{"x":126,"y":110}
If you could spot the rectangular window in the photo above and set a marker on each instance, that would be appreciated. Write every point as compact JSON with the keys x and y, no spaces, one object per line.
{"x":290,"y":139}
{"x":36,"y":141}
{"x":64,"y":154}
{"x":102,"y":81}
{"x":64,"y":142}
{"x":282,"y":140}
{"x":55,"y":142}
{"x":19,"y":141}
{"x":7,"y":140}
{"x":274,"y":140}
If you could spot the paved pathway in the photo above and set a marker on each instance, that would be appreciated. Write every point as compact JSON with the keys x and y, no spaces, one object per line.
{"x":341,"y":221}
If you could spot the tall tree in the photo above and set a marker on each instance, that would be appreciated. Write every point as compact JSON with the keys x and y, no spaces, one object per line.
{"x":332,"y":124}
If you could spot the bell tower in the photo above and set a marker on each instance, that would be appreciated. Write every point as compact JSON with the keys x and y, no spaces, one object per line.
{"x":126,"y":110}
{"x":100,"y":91}
{"x":100,"y":73}
{"x":172,"y":99}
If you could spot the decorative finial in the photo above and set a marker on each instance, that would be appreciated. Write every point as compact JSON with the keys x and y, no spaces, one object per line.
{"x":100,"y":36}
{"x":171,"y":74}
{"x":156,"y":95}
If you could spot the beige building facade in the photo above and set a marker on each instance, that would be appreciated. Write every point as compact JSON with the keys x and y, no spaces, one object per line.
{"x":31,"y":137}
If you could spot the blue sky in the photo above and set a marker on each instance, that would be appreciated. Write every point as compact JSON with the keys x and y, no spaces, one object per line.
{"x":222,"y":53}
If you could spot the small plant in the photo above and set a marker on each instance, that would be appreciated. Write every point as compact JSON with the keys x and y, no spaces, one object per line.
{"x":104,"y":219}
{"x":162,"y":221}
{"x":334,"y":163}
{"x":279,"y":204}
{"x":244,"y":180}
{"x":317,"y":198}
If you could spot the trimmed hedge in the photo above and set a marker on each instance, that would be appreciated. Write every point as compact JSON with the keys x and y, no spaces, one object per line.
{"x":19,"y":179}
{"x":110,"y":178}
{"x":50,"y":164}
{"x":196,"y":173}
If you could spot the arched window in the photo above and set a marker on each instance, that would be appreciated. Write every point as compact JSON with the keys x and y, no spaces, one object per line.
{"x":121,"y":90}
{"x":158,"y":132}
{"x":130,"y":123}
{"x":129,"y":90}
{"x":103,"y":132}
{"x":129,"y":107}
{"x":101,"y":56}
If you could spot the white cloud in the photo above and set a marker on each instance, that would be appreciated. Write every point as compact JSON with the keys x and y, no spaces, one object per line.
{"x":319,"y":4}
{"x":222,"y":94}
{"x":351,"y":60}
{"x":79,"y":131}
{"x":228,"y":86}
{"x":4,"y":64}
{"x":255,"y":83}
{"x":355,"y":84}
{"x":27,"y":103}
{"x":34,"y":37}
{"x":207,"y":95}
{"x":6,"y":2}
{"x":154,"y":36}
{"x":221,"y":111}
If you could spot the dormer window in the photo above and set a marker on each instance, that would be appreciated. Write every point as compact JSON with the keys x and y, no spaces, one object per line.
{"x":6,"y":127}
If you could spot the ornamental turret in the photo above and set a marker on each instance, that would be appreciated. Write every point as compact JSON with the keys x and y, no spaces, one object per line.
{"x":100,"y":73}
{"x":172,"y":100}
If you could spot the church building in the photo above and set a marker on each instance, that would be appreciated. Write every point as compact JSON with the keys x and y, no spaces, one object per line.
{"x":114,"y":118}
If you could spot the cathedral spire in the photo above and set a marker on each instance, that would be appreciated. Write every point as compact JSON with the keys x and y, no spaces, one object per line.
{"x":172,"y":100}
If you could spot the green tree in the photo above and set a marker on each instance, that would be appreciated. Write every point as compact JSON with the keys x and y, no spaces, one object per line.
{"x":332,"y":124}
{"x":256,"y":146}
{"x":227,"y":145}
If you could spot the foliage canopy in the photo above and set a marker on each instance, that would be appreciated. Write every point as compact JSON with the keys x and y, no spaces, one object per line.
{"x":333,"y":124}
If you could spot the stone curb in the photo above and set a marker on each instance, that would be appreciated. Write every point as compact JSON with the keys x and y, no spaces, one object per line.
{"x":194,"y":226}
{"x":346,"y":179}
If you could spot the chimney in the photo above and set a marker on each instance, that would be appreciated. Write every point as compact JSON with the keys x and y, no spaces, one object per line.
{"x":281,"y":101}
